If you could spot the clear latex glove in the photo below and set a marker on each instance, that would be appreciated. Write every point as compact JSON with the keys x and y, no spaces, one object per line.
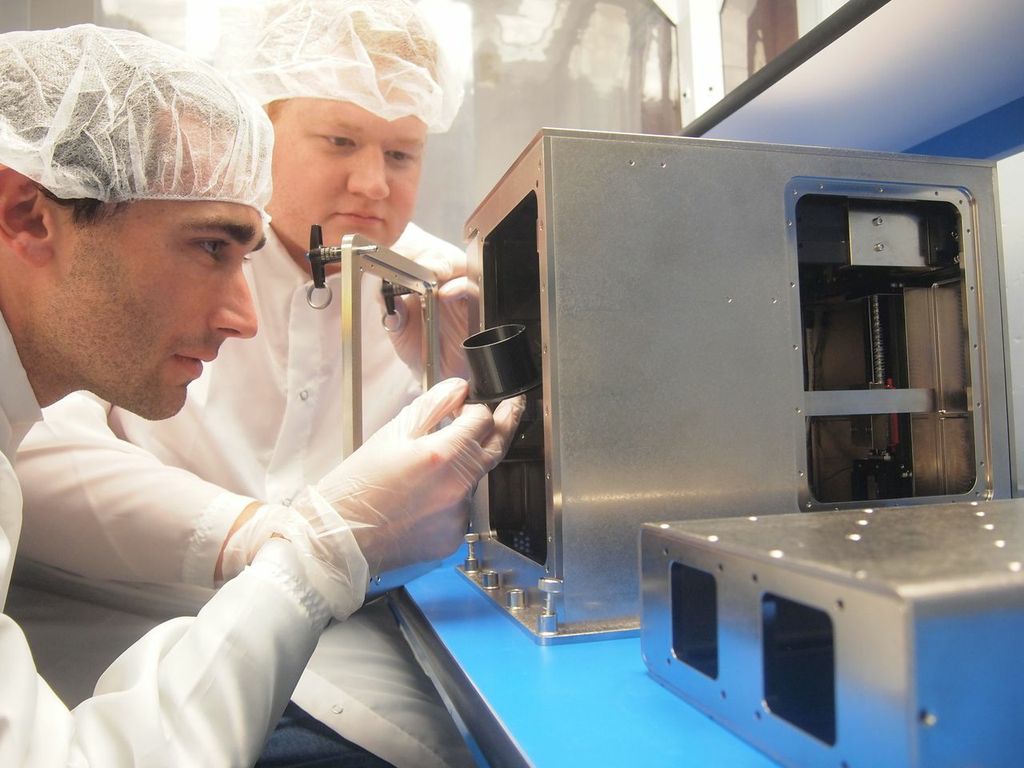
{"x":402,"y":498}
{"x":309,"y":540}
{"x":405,"y":492}
{"x":454,"y":294}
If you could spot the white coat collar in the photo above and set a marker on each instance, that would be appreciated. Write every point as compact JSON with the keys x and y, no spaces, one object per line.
{"x":19,"y":409}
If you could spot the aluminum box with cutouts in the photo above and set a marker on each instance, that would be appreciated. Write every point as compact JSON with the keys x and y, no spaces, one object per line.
{"x":854,"y":639}
{"x":724,"y":328}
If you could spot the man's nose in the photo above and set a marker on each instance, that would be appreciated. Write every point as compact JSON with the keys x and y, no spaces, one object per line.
{"x":236,"y":314}
{"x":368,"y":174}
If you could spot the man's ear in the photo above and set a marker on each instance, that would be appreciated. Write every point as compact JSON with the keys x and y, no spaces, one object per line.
{"x":27,"y":218}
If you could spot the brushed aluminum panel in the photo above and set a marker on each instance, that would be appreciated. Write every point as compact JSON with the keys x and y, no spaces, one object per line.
{"x":925,"y":605}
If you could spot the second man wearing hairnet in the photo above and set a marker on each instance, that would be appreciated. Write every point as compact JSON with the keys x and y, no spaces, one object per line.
{"x":352,"y":89}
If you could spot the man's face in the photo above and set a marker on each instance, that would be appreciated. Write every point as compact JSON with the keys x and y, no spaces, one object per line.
{"x":337,"y":165}
{"x":147,"y":294}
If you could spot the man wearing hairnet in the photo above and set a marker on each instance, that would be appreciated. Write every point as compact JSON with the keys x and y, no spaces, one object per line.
{"x":352,"y":89}
{"x":133,"y":182}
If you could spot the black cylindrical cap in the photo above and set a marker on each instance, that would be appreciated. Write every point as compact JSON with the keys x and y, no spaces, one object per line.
{"x":500,"y":363}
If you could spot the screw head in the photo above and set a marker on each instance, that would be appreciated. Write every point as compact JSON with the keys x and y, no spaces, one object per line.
{"x":549,"y":585}
{"x":472,"y":538}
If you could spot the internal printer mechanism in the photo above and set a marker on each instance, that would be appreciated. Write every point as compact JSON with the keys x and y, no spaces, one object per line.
{"x":886,"y":354}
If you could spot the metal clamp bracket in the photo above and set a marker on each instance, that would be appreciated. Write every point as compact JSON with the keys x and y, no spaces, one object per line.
{"x":358,"y":255}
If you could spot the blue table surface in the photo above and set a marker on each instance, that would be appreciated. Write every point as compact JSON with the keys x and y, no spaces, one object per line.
{"x":585,"y":703}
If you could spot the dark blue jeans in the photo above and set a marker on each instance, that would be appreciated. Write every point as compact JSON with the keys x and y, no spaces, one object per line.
{"x":302,"y":741}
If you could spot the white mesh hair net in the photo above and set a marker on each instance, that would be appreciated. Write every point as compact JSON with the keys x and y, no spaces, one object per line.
{"x":112,"y":115}
{"x":382,"y":55}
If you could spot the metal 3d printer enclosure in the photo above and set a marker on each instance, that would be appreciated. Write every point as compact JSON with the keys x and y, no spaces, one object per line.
{"x":723,"y":329}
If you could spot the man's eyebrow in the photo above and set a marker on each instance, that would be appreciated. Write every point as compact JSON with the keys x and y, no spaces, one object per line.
{"x":243,"y":234}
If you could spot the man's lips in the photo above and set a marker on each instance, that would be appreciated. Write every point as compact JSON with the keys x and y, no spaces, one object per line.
{"x":192,"y":365}
{"x":193,"y":362}
{"x":365,"y":217}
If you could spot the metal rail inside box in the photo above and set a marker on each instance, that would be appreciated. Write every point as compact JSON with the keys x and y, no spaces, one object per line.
{"x":875,"y":637}
{"x":725,"y":328}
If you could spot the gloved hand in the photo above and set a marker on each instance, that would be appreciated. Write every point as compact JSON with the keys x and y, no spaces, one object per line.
{"x":455,"y":292}
{"x":401,"y":498}
{"x":405,"y":491}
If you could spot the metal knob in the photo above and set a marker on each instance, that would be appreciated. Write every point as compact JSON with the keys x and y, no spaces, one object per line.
{"x":515,"y":599}
{"x":489,"y":579}
{"x":547,"y":622}
{"x":471,"y":564}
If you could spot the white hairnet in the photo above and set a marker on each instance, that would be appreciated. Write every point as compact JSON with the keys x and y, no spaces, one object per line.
{"x":382,"y":55}
{"x":112,"y":115}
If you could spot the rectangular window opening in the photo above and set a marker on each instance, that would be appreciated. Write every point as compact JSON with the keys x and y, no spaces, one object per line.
{"x":695,"y":619}
{"x":798,"y":649}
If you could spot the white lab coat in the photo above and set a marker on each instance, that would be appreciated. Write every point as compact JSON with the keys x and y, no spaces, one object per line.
{"x":153,"y":501}
{"x":202,"y":691}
